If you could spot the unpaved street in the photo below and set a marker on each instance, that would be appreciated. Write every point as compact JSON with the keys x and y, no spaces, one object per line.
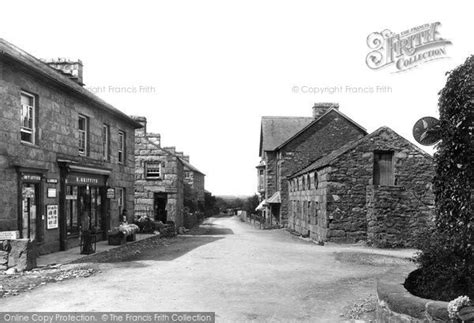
{"x":231,"y":268}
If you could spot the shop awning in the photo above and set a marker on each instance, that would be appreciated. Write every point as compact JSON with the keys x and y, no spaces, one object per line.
{"x":275,"y":199}
{"x":261,"y":206}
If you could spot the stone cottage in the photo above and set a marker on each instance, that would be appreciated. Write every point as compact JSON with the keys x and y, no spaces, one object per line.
{"x":66,"y":156}
{"x":160,"y":182}
{"x":194,"y":180}
{"x":287,"y":144}
{"x":376,"y":188}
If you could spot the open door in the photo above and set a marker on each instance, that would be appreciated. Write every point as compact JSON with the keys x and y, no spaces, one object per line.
{"x":159,"y":207}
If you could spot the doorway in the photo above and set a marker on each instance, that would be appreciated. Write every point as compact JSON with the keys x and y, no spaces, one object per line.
{"x":159,"y":207}
{"x":29,"y":210}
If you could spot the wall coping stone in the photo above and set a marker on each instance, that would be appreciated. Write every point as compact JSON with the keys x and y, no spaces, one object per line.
{"x":393,"y":296}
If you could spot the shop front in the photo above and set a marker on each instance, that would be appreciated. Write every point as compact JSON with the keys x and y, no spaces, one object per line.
{"x":83,"y":204}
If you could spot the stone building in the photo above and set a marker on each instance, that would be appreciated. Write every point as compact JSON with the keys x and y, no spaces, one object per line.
{"x":376,"y":188}
{"x":160,"y":181}
{"x":194,"y":179}
{"x":66,"y":156}
{"x":287,"y":144}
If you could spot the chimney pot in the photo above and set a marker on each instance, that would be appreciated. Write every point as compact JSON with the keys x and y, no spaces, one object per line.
{"x":70,"y":68}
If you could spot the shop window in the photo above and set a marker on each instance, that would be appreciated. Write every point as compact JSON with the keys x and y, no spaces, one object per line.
{"x":121,"y":148}
{"x":28,"y":118}
{"x":153,"y":170}
{"x":121,"y":201}
{"x":383,"y":168}
{"x":72,"y":214}
{"x":106,"y":142}
{"x":83,"y":126}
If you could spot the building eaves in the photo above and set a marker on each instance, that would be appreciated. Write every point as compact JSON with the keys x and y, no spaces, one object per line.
{"x":35,"y":65}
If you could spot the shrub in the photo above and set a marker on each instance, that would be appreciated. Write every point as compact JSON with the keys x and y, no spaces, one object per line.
{"x":446,"y":263}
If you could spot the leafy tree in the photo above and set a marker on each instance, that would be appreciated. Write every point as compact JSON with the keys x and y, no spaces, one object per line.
{"x":447,"y":257}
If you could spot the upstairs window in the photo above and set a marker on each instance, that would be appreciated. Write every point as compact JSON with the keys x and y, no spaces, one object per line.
{"x":383,"y":168}
{"x":153,"y":170}
{"x":83,"y":125}
{"x":316,"y":180}
{"x":105,"y":142}
{"x":121,"y":148}
{"x":28,"y":126}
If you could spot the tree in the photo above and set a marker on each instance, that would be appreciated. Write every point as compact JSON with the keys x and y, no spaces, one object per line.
{"x":447,"y":259}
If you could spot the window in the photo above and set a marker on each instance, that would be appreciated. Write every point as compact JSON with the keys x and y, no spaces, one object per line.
{"x":309,"y":181}
{"x":383,"y":168}
{"x":304,"y":183}
{"x":316,"y":180}
{"x":121,"y":149}
{"x":153,"y":169}
{"x":188,"y":175}
{"x":83,"y":134}
{"x":28,"y":126}
{"x":105,"y":141}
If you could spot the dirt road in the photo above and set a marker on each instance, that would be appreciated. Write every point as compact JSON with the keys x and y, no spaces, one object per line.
{"x":231,"y":268}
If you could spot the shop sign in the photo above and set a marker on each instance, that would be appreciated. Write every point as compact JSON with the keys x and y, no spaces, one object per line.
{"x":28,"y":192}
{"x":85,"y":180}
{"x":31,"y":177}
{"x":9,"y":235}
{"x":71,"y":197}
{"x":52,"y":180}
{"x":52,"y":216}
{"x":110,"y":193}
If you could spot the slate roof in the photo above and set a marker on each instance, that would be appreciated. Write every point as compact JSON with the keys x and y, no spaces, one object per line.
{"x":316,"y":121}
{"x":335,"y":154}
{"x":44,"y":70}
{"x":276,"y":130}
{"x":189,"y":166}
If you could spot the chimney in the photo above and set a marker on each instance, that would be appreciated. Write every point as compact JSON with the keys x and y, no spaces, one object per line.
{"x":320,"y":108}
{"x":171,"y":149}
{"x":186,"y":158}
{"x":68,"y":67}
{"x":140,"y":132}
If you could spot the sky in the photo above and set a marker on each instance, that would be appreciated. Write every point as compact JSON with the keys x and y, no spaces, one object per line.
{"x":205,"y":72}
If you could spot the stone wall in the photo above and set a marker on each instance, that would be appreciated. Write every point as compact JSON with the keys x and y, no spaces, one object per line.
{"x":17,"y":255}
{"x":313,"y":220}
{"x":356,"y":210}
{"x":396,"y":304}
{"x":57,"y":137}
{"x":393,"y":218}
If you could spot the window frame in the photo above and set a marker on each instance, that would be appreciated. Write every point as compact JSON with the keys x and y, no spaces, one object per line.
{"x":160,"y":167}
{"x":105,"y":142}
{"x":121,"y":148}
{"x":377,"y":178}
{"x":84,"y":131}
{"x":24,"y":129}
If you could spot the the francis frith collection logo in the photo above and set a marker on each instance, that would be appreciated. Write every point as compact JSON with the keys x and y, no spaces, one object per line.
{"x":407,"y":49}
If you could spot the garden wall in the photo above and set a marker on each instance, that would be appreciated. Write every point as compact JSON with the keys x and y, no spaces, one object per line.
{"x":395,"y":304}
{"x":19,"y":254}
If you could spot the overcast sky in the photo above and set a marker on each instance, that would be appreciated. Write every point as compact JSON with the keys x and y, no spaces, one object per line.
{"x":204,"y":72}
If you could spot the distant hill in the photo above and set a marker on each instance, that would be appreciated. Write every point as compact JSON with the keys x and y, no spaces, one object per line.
{"x":233,"y":197}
